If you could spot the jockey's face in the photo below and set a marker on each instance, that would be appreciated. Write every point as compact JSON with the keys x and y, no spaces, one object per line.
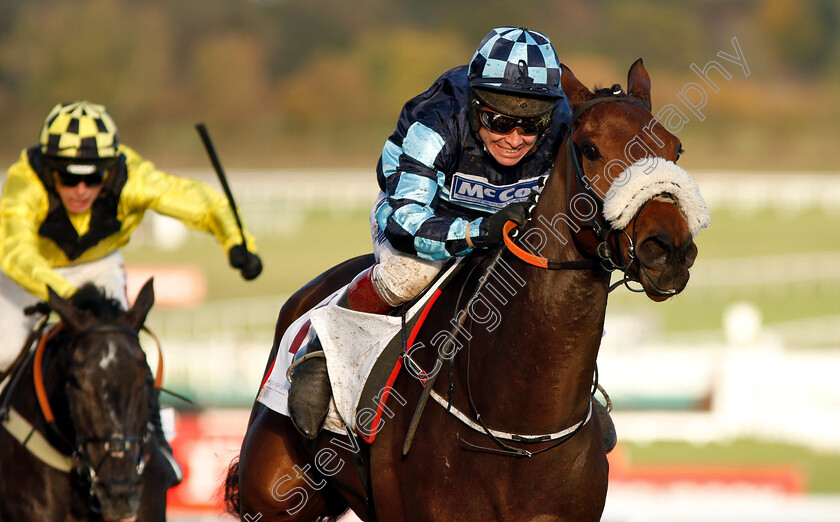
{"x":507,"y":149}
{"x":79,"y":197}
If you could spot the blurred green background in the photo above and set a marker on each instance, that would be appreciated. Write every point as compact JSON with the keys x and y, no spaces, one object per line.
{"x":293,"y":83}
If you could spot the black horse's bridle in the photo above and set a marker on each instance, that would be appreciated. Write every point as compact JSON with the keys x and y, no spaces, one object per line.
{"x":116,"y":446}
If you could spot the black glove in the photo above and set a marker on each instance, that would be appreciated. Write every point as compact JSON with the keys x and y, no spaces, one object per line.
{"x":516,"y":212}
{"x":248,"y":263}
{"x":40,"y":307}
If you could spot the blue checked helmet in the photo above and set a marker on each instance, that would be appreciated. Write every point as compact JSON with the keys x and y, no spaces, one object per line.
{"x":516,"y":61}
{"x":81,"y":134}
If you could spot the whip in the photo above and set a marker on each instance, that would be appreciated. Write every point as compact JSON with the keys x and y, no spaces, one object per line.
{"x":217,"y":166}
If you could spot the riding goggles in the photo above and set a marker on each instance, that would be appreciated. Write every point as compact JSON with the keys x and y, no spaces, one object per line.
{"x":499,"y":123}
{"x":93,"y":179}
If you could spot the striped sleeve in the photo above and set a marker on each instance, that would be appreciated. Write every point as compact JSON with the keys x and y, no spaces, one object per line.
{"x":413,"y":181}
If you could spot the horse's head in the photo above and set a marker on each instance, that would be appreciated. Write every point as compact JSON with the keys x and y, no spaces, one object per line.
{"x":624,"y":162}
{"x":109,"y":387}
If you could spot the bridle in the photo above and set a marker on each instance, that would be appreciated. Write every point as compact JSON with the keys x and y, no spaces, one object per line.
{"x":116,"y":446}
{"x":608,"y":257}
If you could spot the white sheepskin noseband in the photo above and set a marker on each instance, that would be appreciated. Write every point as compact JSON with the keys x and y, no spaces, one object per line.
{"x":651,"y":177}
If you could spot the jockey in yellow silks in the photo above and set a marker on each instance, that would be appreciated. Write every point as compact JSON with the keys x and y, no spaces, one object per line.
{"x":70,"y":202}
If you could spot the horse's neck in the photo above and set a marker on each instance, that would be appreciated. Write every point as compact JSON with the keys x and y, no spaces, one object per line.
{"x":544,"y":349}
{"x":54,"y":376}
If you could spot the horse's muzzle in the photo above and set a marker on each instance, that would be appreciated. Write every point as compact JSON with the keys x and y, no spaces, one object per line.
{"x":664,"y":265}
{"x":120,"y":502}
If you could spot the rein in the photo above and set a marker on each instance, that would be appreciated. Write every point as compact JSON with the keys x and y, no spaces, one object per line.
{"x":38,"y":376}
{"x":479,"y":426}
{"x":118,"y":446}
{"x":37,"y":368}
{"x":542,"y":262}
{"x":557,"y":438}
{"x":603,"y":231}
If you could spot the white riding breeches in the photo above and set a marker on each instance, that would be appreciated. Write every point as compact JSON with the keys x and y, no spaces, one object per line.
{"x":398,"y":277}
{"x":108,"y":273}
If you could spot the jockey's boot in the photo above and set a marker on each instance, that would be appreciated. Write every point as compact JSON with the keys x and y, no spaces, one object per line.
{"x":608,"y":435}
{"x":165,"y":448}
{"x":309,"y":396}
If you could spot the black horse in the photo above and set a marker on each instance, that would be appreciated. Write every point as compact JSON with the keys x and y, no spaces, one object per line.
{"x":82,"y":404}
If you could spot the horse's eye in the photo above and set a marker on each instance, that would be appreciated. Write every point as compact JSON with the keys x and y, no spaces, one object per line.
{"x":680,"y":150}
{"x":590,"y":151}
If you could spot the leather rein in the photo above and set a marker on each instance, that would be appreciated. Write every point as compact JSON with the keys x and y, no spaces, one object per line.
{"x":605,"y":252}
{"x":608,"y":257}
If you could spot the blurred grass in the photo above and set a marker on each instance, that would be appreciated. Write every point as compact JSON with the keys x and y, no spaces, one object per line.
{"x":307,"y":247}
{"x":703,"y":311}
{"x":321,"y":239}
{"x":819,"y":468}
{"x":742,"y":234}
{"x":766,"y":232}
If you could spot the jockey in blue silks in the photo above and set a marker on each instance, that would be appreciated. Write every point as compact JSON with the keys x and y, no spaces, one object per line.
{"x":463,"y":160}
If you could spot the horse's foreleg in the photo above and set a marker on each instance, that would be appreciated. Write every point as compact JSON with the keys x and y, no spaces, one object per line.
{"x":276,"y":475}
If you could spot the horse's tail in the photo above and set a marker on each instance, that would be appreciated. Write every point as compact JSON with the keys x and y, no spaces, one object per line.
{"x":231,"y":488}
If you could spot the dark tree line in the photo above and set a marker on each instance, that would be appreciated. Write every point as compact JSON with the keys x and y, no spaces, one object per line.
{"x":319,"y":82}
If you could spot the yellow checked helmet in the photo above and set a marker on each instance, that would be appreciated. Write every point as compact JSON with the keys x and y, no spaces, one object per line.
{"x":79,"y":137}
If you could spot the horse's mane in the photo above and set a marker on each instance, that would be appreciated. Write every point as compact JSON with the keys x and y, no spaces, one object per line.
{"x":615,"y":90}
{"x":91,"y":298}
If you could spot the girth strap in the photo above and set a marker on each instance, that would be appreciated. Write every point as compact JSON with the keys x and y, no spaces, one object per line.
{"x":518,"y":437}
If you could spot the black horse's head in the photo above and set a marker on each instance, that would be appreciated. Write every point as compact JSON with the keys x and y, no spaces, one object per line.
{"x":109,"y":388}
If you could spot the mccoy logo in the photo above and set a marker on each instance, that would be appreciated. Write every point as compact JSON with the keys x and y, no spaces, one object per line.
{"x":479,"y":191}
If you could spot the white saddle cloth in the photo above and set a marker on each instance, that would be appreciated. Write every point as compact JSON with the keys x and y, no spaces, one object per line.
{"x":352,"y":343}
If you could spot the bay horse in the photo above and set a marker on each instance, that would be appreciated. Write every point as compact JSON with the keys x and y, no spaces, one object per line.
{"x":84,"y":398}
{"x":527,"y":445}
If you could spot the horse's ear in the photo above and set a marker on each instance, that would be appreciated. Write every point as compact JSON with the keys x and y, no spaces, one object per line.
{"x":576,"y":92}
{"x":638,"y":81}
{"x":145,"y":299}
{"x":73,"y":318}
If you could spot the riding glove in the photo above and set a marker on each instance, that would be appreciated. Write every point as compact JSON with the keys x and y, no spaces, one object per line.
{"x":248,"y":263}
{"x":516,"y":212}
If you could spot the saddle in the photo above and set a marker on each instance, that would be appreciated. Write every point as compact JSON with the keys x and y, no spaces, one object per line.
{"x":364,"y":354}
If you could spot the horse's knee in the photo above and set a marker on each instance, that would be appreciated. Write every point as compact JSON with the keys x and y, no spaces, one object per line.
{"x":275,"y":477}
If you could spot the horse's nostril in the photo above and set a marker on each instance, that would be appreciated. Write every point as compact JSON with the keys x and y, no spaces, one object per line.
{"x":690,"y":255}
{"x":655,"y":251}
